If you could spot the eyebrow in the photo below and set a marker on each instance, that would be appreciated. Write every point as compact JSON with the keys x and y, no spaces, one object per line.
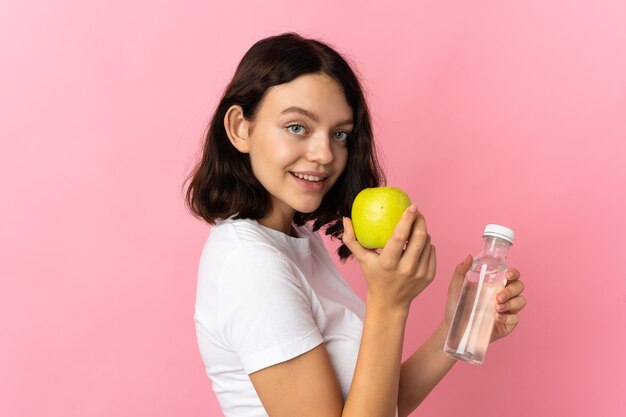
{"x":312,"y":116}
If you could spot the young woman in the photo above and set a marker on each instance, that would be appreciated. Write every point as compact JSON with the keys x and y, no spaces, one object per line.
{"x":280,"y":331}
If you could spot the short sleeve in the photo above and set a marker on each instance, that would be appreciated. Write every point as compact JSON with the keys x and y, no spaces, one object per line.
{"x":264,"y":309}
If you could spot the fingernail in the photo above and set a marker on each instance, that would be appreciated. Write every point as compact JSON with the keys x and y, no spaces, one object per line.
{"x":501,"y":298}
{"x":500,"y":307}
{"x":412,"y":209}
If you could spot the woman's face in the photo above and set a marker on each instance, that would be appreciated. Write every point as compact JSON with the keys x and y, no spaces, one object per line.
{"x":298,"y":144}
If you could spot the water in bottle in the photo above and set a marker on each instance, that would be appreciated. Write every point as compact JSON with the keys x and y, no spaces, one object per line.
{"x":473,"y":320}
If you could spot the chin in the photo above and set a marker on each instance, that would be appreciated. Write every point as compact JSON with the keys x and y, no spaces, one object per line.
{"x":308,"y":209}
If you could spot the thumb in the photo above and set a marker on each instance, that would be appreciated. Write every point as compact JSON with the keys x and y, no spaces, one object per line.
{"x":349,"y":239}
{"x":462,"y":268}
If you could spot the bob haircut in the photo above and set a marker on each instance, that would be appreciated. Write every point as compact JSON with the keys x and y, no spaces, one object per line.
{"x":222,"y":184}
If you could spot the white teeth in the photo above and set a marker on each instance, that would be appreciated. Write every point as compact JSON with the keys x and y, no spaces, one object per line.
{"x":311,"y":178}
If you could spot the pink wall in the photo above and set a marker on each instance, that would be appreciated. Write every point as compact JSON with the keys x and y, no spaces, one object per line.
{"x":511,"y":112}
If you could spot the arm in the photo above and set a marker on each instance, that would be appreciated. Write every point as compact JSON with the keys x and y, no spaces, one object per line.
{"x":423,"y":371}
{"x":306,"y":385}
{"x":429,"y":364}
{"x":374,"y":389}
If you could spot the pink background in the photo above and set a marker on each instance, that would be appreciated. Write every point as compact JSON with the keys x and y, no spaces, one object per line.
{"x":495,"y":111}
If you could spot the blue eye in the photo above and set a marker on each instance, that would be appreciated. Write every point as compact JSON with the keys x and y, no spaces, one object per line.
{"x":296,"y":129}
{"x":341,"y":136}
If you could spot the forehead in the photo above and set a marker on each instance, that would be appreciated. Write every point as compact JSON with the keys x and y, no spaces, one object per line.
{"x":317,"y":93}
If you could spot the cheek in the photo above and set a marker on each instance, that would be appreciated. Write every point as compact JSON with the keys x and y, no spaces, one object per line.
{"x":341,"y":157}
{"x":271,"y":157}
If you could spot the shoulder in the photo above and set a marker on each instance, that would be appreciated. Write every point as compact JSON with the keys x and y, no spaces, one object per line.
{"x":242,"y":231}
{"x":243,"y":248}
{"x":230,"y":239}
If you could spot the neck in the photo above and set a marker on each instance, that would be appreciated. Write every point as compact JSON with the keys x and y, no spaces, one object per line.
{"x":283,"y":226}
{"x":279,"y":218}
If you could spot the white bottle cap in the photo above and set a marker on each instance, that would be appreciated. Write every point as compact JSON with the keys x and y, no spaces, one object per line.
{"x":501,"y":232}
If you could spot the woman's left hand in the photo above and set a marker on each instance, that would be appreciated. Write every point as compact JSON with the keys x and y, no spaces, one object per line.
{"x":509,"y":301}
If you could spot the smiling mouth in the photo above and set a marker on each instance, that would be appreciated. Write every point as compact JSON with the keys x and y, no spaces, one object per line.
{"x":309,"y":178}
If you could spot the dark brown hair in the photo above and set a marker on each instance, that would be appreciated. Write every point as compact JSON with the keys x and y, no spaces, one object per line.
{"x":223,"y":185}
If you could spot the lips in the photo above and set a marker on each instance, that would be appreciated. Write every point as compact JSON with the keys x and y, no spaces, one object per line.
{"x":310,"y":177}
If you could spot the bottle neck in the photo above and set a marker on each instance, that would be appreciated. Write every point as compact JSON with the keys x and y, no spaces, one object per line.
{"x":495,"y":247}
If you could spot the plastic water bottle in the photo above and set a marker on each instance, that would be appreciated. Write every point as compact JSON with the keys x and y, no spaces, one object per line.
{"x":473,"y":320}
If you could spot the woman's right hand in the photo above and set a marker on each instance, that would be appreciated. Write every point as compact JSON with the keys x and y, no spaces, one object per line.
{"x":405,"y":266}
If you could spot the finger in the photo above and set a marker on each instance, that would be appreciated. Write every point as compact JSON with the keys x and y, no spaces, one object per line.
{"x":514,"y":305}
{"x":421,"y":264}
{"x":432,"y":262}
{"x":513,"y":289}
{"x":512,"y":274}
{"x":349,"y":239}
{"x":391,"y":253}
{"x":417,"y":241}
{"x":462,"y":268}
{"x":509,"y":320}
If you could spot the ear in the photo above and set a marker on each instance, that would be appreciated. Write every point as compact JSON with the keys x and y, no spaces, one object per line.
{"x":237,"y":128}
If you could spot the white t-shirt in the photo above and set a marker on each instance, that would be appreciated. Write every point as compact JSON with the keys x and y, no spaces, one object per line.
{"x":264,"y":297}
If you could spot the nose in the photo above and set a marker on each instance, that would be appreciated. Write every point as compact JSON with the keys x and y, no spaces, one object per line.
{"x":320,"y":149}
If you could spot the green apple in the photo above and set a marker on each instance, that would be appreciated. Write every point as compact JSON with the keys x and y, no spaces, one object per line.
{"x":375,"y":213}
